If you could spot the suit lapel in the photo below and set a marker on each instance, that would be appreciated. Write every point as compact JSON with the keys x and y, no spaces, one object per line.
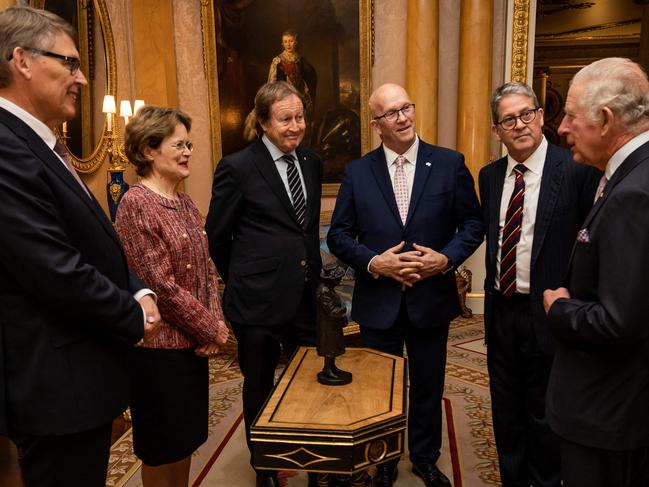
{"x":310,"y":183}
{"x":47,"y":156}
{"x":423,"y":168}
{"x":379,"y":168}
{"x":496,"y":183}
{"x":548,"y":195}
{"x":636,"y":157}
{"x":268,"y":170}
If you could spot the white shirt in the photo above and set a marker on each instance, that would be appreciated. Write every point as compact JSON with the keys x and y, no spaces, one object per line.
{"x":45,"y":133}
{"x":282,"y":166}
{"x":532,"y":178}
{"x":623,"y":152}
{"x":409,"y":167}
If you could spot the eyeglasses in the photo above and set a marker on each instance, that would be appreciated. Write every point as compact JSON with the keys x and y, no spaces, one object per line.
{"x":182,"y":145}
{"x":393,"y":115}
{"x":526,"y":117}
{"x":70,"y":62}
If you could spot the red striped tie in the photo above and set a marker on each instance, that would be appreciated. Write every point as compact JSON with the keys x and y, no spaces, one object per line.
{"x":512,"y":234}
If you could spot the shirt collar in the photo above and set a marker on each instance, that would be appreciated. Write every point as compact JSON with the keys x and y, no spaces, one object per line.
{"x":623,"y":152}
{"x":275,"y":153}
{"x":42,"y":130}
{"x":410,"y":154}
{"x":534,"y":162}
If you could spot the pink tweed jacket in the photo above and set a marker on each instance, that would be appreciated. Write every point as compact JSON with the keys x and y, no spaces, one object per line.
{"x":166,"y":246}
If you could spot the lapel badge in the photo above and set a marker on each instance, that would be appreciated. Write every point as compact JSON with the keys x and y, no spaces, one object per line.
{"x":428,"y":164}
{"x":583,"y":236}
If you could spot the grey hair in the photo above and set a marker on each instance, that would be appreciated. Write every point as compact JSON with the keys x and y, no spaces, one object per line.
{"x":22,"y":26}
{"x":618,"y":84}
{"x":511,"y":88}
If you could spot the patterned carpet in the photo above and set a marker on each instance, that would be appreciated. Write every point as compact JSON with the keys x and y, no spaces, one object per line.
{"x":468,"y":456}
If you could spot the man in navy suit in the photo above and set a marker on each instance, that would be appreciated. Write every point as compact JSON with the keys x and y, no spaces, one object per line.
{"x":68,"y":302}
{"x":598,"y":392}
{"x":406,"y":215}
{"x":557,"y":194}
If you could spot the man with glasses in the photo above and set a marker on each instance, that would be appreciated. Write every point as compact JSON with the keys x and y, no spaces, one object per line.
{"x":406,"y":215}
{"x":533,"y":200}
{"x":68,"y":302}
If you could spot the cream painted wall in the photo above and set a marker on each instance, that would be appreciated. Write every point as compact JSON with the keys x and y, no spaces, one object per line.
{"x":192,"y":97}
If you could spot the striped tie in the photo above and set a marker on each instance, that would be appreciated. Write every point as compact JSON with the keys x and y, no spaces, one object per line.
{"x":295,"y":185}
{"x":512,"y":234}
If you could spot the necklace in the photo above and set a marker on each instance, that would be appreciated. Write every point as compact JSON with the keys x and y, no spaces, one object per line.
{"x":156,"y":189}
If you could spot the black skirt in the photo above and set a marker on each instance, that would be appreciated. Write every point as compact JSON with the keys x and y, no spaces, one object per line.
{"x":169,"y":403}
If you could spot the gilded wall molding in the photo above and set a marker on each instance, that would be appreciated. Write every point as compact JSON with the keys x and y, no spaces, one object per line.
{"x":520,"y":34}
{"x":208,"y":28}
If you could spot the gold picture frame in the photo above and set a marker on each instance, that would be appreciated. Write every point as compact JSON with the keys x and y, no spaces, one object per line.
{"x":211,"y":20}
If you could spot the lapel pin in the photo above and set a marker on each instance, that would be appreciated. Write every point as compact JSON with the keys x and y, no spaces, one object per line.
{"x":428,"y":164}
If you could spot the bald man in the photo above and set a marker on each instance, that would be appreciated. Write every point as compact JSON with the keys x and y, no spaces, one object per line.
{"x":406,"y":215}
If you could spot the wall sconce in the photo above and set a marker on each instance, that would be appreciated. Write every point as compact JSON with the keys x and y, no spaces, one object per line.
{"x":116,"y":186}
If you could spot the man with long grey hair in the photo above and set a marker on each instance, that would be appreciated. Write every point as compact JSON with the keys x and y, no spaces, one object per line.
{"x":598,"y":394}
{"x":533,"y":202}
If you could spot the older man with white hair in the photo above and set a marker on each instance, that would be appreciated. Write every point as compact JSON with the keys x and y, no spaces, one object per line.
{"x":598,"y":396}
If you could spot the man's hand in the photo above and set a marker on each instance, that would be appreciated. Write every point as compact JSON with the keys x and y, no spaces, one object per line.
{"x":551,"y":295}
{"x":430,"y":262}
{"x":152,"y":322}
{"x":393,"y":264}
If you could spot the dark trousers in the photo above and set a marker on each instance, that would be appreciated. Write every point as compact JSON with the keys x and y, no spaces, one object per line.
{"x":259,"y":349}
{"x":61,"y":461}
{"x":426,"y":349}
{"x":583,"y":466}
{"x":528,"y":450}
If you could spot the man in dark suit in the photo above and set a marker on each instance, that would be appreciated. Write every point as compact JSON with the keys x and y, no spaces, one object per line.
{"x":598,"y":393}
{"x":527,"y":251}
{"x":67,"y":307}
{"x":263,"y":230}
{"x":406,"y":215}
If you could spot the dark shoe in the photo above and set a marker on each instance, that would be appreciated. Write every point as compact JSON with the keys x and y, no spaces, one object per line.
{"x":431,"y":475}
{"x":385,"y":476}
{"x":267,"y":479}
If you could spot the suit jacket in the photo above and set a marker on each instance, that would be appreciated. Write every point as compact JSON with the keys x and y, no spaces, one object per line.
{"x":259,"y":248}
{"x":565,"y":197}
{"x":444,"y":215}
{"x":67,"y":311}
{"x":598,"y":394}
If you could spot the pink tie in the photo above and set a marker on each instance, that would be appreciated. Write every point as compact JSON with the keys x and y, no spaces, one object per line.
{"x":600,"y":187}
{"x":401,"y":188}
{"x":63,"y":153}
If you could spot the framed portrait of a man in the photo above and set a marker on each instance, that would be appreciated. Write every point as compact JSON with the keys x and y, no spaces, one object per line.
{"x":322,"y":48}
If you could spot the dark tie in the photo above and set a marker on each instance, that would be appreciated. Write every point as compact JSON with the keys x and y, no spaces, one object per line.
{"x":295,"y":185}
{"x":512,"y":234}
{"x":63,"y":153}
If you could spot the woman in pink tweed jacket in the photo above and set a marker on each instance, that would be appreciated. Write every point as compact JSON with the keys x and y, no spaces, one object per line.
{"x":166,"y":247}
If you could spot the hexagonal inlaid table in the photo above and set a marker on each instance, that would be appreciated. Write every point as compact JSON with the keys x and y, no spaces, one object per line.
{"x":345,"y":429}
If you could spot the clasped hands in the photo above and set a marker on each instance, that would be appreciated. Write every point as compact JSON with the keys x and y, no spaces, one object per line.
{"x":411,"y":266}
{"x":152,"y":327}
{"x":209,"y":349}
